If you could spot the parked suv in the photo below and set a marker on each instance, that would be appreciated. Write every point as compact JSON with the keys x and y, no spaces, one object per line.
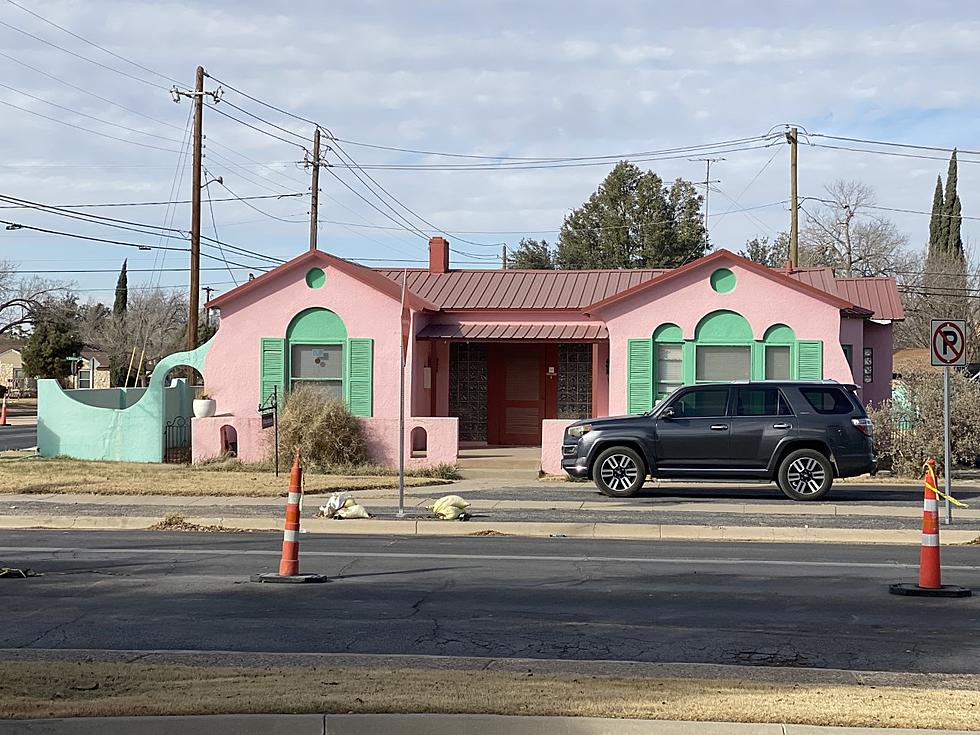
{"x":800,"y":434}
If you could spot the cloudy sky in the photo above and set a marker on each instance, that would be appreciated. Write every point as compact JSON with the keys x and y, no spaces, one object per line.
{"x":536,"y":78}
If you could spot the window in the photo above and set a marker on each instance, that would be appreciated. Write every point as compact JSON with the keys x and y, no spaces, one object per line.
{"x":18,"y":373}
{"x":669,"y":368}
{"x":320,"y":367}
{"x":84,"y":379}
{"x":761,"y":402}
{"x":716,"y":363}
{"x":777,"y":362}
{"x":849,"y":355}
{"x":827,"y":400}
{"x":701,"y":403}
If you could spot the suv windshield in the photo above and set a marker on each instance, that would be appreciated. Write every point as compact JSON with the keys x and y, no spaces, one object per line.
{"x":701,"y":403}
{"x":827,"y":399}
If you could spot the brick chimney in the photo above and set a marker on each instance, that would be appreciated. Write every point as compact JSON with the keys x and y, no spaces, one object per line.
{"x":438,"y":255}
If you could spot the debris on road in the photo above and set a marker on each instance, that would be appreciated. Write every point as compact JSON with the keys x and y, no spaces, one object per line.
{"x":342,"y":506}
{"x":13,"y":573}
{"x":177,"y":522}
{"x":450,"y":508}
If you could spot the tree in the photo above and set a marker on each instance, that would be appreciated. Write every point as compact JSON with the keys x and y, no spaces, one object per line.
{"x":843,"y":233}
{"x":55,"y":338}
{"x":937,"y":220}
{"x":943,"y":285}
{"x":533,"y":254}
{"x":21,"y":299}
{"x":633,"y":221}
{"x":773,"y":254}
{"x":952,"y":208}
{"x":122,"y":292}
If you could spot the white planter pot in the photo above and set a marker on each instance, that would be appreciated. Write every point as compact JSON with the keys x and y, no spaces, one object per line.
{"x":204,"y":407}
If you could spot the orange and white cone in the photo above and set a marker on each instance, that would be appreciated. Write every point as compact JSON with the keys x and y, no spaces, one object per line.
{"x":3,"y":412}
{"x":930,"y":570}
{"x":289,"y":562}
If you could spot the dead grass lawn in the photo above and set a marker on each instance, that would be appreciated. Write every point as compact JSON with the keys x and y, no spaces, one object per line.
{"x":39,"y":476}
{"x":60,"y":689}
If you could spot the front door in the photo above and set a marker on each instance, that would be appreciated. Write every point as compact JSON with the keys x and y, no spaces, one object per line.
{"x":518,"y":391}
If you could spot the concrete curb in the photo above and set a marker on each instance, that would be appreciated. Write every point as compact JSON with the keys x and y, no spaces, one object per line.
{"x":621,"y":531}
{"x":419,"y":725}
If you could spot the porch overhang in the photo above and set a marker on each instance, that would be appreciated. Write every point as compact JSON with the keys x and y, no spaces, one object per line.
{"x":511,"y":331}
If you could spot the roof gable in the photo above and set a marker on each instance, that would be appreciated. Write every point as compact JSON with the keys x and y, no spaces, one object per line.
{"x":714,"y":260}
{"x":312,"y":258}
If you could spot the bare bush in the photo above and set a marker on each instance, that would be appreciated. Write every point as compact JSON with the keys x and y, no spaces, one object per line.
{"x":909,"y":429}
{"x":327,"y":434}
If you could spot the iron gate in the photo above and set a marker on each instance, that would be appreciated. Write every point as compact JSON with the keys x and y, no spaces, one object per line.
{"x":177,"y":441}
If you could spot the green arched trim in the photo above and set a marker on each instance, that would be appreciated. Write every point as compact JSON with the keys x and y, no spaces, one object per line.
{"x":723,"y":326}
{"x":722,"y":280}
{"x":780,"y":334}
{"x":316,"y":325}
{"x":668,"y":333}
{"x":315,"y":278}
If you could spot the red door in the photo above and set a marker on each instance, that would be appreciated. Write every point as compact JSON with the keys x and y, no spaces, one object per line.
{"x":518,"y":394}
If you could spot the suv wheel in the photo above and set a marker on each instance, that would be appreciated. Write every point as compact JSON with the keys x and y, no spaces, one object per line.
{"x":805,"y":474}
{"x":619,"y":472}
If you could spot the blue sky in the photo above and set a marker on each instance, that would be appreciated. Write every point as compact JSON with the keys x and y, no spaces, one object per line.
{"x":487,"y":78}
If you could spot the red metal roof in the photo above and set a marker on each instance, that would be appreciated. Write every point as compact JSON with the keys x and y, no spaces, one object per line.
{"x":520,"y":289}
{"x":522,"y":331}
{"x":879,"y":295}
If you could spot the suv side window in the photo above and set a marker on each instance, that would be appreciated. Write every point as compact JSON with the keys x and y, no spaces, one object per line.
{"x":761,"y":402}
{"x":827,"y":400}
{"x":701,"y":403}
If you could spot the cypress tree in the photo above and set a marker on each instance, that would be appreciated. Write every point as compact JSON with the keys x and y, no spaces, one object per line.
{"x":955,"y":245}
{"x":936,"y":221}
{"x":122,"y":292}
{"x":949,"y":201}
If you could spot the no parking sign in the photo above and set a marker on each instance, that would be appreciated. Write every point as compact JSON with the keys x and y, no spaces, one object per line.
{"x":948,"y":342}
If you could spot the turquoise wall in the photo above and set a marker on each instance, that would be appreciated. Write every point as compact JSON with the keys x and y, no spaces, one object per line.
{"x":66,"y":426}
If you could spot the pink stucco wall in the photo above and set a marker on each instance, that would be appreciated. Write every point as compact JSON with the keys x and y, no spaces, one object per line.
{"x":689,"y":297}
{"x":252,"y":440}
{"x":552,"y":431}
{"x":600,"y":379}
{"x":442,"y":435}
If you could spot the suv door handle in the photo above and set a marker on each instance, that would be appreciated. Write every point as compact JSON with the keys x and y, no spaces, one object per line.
{"x":719,"y":427}
{"x":782,"y":426}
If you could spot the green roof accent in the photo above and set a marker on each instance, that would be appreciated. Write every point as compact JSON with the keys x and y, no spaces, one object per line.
{"x":722,"y":280}
{"x":315,"y":278}
{"x":723,"y":326}
{"x":668,"y":333}
{"x":316,"y":325}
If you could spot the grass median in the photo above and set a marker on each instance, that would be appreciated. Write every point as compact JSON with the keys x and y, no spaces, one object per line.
{"x":87,"y":689}
{"x":33,"y":475}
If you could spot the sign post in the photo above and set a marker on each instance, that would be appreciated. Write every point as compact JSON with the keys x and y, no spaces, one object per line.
{"x":948,"y":347}
{"x":406,"y":330}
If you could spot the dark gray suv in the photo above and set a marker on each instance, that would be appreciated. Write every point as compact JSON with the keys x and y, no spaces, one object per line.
{"x":800,"y":434}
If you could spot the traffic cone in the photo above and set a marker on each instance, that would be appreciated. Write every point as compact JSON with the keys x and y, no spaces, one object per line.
{"x":930,"y":571}
{"x":289,"y":562}
{"x":3,"y":412}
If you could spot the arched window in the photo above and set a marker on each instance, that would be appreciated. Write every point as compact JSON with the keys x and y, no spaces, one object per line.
{"x":723,"y":349}
{"x":778,"y":343}
{"x":668,"y":360}
{"x":419,"y":442}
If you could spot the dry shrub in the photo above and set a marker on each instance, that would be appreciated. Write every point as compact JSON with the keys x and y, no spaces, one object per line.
{"x":326,"y":432}
{"x":909,"y":428}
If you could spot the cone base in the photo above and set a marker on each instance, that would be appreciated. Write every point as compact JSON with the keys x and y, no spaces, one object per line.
{"x":288,"y":579}
{"x":914,"y":590}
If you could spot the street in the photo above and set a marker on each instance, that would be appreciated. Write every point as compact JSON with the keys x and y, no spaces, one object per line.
{"x":18,"y":437}
{"x":787,"y":605}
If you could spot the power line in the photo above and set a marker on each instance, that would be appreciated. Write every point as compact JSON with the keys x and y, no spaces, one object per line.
{"x":255,"y":128}
{"x":258,"y":101}
{"x":214,"y":225}
{"x":252,"y":206}
{"x":893,"y":144}
{"x":141,"y":246}
{"x":159,"y":203}
{"x":890,"y":153}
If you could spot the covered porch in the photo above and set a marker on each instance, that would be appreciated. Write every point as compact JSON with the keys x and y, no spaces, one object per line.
{"x":502,"y":381}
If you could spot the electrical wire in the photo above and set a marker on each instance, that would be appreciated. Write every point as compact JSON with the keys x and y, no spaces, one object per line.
{"x":257,"y":129}
{"x":252,"y":206}
{"x":214,"y":226}
{"x":159,"y":203}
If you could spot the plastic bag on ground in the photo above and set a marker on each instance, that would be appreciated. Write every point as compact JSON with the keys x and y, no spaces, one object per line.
{"x":448,"y":501}
{"x":352,"y":511}
{"x":334,"y":503}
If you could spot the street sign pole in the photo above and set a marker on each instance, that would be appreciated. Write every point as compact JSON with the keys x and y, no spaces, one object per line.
{"x":947,"y":466}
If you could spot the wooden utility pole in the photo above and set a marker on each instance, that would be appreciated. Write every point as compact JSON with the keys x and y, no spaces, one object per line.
{"x":707,"y":187}
{"x":196,"y":210}
{"x":503,"y":257}
{"x":315,"y":188}
{"x":794,"y":206}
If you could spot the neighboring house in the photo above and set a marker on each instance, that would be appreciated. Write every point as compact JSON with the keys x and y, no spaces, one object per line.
{"x":81,"y":376}
{"x":12,"y":373}
{"x":511,"y":356}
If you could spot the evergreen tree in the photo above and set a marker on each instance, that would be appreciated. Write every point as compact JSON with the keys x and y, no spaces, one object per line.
{"x":936,"y":242}
{"x":536,"y":254}
{"x":634,"y":221}
{"x":53,"y":341}
{"x":953,"y":243}
{"x":122,"y":292}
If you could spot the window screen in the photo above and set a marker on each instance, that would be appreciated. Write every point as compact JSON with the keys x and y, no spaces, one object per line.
{"x":701,"y":403}
{"x":669,"y":368}
{"x":716,"y":363}
{"x":761,"y":402}
{"x":777,"y":363}
{"x":827,"y":400}
{"x":320,"y":367}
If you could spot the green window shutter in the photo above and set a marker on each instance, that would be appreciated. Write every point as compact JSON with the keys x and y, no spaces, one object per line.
{"x":272,"y":368}
{"x":360,"y":369}
{"x":639,"y":389}
{"x":809,"y":359}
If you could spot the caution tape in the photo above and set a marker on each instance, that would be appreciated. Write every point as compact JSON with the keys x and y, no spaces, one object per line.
{"x":933,"y":484}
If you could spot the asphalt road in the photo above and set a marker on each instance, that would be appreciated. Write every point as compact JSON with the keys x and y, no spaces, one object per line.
{"x":823,"y":606}
{"x":18,"y":437}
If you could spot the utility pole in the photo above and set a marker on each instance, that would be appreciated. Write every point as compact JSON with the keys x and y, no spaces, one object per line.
{"x":207,"y":313}
{"x":315,"y":188}
{"x":503,"y":256}
{"x":707,"y":187}
{"x":794,"y":206}
{"x":197,"y":97}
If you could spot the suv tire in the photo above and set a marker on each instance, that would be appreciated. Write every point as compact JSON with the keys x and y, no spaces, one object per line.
{"x":805,"y":474}
{"x":619,"y":472}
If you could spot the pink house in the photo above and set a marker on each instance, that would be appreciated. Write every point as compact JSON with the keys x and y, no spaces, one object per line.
{"x":509,"y":357}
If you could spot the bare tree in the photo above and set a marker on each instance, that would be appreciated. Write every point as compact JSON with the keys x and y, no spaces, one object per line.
{"x":22,"y":299}
{"x":844,"y":232}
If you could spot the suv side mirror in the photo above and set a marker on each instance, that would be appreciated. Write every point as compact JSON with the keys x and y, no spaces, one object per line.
{"x":667,"y":414}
